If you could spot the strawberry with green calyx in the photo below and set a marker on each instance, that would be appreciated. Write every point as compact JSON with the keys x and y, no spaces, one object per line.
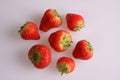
{"x":60,"y":40}
{"x":40,"y":56}
{"x":29,"y":31}
{"x":75,"y":22}
{"x":83,"y":50}
{"x":65,"y":65}
{"x":50,"y":19}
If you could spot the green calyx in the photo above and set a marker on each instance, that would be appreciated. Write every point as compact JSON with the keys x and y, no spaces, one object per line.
{"x":56,"y":14}
{"x":35,"y":57}
{"x":66,"y":42}
{"x":79,"y":26}
{"x":63,"y":68}
{"x":22,"y":27}
{"x":89,"y":46}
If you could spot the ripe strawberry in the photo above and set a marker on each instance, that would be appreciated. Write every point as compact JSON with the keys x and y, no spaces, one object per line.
{"x":65,"y":65}
{"x":75,"y":22}
{"x":50,"y":19}
{"x":83,"y":50}
{"x":40,"y":56}
{"x":29,"y":31}
{"x":60,"y":40}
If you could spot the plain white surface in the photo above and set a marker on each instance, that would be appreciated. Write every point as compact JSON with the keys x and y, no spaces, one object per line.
{"x":102,"y":29}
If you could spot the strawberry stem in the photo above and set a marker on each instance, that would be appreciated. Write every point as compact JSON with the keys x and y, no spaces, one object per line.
{"x":79,"y":26}
{"x":63,"y":68}
{"x":21,"y":28}
{"x":55,"y":13}
{"x":89,"y":46}
{"x":66,"y":42}
{"x":35,"y":57}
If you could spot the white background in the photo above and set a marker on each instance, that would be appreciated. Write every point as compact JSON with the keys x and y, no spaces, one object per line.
{"x":102,"y":20}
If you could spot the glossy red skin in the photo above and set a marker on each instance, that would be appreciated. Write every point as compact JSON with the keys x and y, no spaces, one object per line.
{"x":81,"y":51}
{"x":73,"y":20}
{"x":69,"y":61}
{"x":30,"y":31}
{"x":55,"y":39}
{"x":45,"y":52}
{"x":49,"y":20}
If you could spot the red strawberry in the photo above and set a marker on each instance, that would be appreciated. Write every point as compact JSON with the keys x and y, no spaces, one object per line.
{"x":75,"y":22}
{"x":65,"y":65}
{"x":83,"y":50}
{"x":29,"y":31}
{"x":60,"y":40}
{"x":40,"y":56}
{"x":50,"y":19}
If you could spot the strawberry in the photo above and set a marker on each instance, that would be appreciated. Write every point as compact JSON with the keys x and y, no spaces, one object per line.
{"x":83,"y":50}
{"x":65,"y":65}
{"x":60,"y":40}
{"x":75,"y":22}
{"x":40,"y":56}
{"x":29,"y":31}
{"x":50,"y":19}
